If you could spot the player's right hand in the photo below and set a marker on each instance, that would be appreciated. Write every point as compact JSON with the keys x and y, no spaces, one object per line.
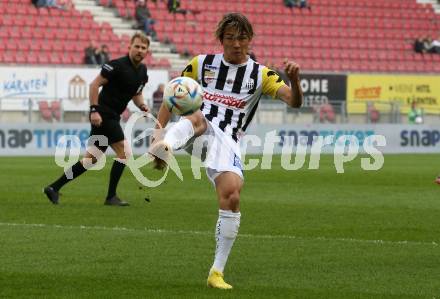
{"x":95,"y":119}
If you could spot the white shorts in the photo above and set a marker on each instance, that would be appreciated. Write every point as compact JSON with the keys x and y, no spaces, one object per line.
{"x":218,"y":152}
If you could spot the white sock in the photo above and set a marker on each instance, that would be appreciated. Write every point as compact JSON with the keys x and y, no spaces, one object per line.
{"x":179,"y":134}
{"x":226,"y":231}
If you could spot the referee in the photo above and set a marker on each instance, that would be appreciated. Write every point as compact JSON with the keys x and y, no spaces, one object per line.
{"x":122,"y":80}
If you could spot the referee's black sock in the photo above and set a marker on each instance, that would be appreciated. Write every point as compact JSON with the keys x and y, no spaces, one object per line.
{"x":76,"y":170}
{"x":115,"y":175}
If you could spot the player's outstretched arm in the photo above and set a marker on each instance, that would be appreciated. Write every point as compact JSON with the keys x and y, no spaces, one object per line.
{"x":163,"y":117}
{"x":292,"y":95}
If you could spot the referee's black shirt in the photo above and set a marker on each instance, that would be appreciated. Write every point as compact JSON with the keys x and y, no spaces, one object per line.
{"x":124,"y":82}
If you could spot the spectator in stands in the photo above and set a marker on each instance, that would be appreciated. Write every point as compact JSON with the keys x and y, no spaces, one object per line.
{"x":174,"y":7}
{"x":304,"y":4}
{"x":297,"y":3}
{"x":419,"y":45}
{"x":435,"y":46}
{"x":415,"y":114}
{"x":143,"y":18}
{"x":290,"y":3}
{"x":425,"y":45}
{"x":48,"y":3}
{"x":103,"y":55}
{"x":91,"y":54}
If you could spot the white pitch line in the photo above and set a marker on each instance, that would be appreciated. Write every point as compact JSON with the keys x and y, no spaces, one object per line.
{"x":206,"y":233}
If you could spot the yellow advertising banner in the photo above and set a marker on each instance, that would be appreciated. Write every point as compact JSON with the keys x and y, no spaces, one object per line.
{"x":383,"y":90}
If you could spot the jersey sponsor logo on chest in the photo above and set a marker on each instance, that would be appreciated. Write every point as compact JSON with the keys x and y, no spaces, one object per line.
{"x":223,"y":99}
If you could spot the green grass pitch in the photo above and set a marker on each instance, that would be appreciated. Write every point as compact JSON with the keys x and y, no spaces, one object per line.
{"x":303,"y":234}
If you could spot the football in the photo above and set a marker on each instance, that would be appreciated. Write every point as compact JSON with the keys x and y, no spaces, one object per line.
{"x":183,"y":96}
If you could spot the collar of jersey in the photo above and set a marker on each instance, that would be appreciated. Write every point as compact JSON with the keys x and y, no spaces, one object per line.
{"x":234,"y":65}
{"x":131,"y":63}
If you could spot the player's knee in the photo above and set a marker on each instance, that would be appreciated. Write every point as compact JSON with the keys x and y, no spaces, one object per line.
{"x":233,"y":199}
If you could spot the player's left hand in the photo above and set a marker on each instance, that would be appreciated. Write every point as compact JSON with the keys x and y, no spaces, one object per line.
{"x":291,"y":68}
{"x":144,"y":108}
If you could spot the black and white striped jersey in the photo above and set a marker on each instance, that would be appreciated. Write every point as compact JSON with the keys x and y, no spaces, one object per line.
{"x":231,"y":91}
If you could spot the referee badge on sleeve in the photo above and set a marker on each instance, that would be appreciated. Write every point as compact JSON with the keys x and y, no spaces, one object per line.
{"x":107,"y":67}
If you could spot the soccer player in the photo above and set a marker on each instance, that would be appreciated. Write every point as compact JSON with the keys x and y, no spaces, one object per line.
{"x":233,"y":84}
{"x":122,"y":80}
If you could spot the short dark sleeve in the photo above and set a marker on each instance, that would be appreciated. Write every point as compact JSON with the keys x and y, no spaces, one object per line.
{"x":109,"y":70}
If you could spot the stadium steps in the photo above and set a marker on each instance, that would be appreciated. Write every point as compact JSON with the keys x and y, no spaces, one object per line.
{"x":123,"y":26}
{"x":102,"y":14}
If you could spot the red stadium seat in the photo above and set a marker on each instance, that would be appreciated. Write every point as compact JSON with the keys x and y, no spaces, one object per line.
{"x":31,"y":58}
{"x":54,"y":58}
{"x":45,"y":112}
{"x":66,"y":59}
{"x":55,"y":107}
{"x":42,"y":58}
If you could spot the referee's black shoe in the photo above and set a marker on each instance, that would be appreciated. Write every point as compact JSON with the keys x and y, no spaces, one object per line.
{"x":115,"y":201}
{"x":51,"y":194}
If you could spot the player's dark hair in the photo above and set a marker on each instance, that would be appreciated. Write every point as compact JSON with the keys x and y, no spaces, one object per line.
{"x":140,"y":36}
{"x":235,"y":20}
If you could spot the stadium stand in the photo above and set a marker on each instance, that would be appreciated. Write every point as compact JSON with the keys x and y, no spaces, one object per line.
{"x":53,"y":36}
{"x":342,"y":36}
{"x":345,"y":35}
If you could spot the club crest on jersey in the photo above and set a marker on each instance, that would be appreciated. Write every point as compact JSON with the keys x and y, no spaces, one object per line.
{"x":250,"y":84}
{"x":229,"y":81}
{"x":209,"y":76}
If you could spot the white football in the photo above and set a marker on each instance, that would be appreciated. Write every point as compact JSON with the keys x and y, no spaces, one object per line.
{"x":183,"y":96}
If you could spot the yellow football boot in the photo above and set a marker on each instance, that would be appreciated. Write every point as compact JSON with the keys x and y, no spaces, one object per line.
{"x":215,"y":280}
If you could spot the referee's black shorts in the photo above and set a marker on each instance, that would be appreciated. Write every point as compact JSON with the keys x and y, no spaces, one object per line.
{"x":110,"y":128}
